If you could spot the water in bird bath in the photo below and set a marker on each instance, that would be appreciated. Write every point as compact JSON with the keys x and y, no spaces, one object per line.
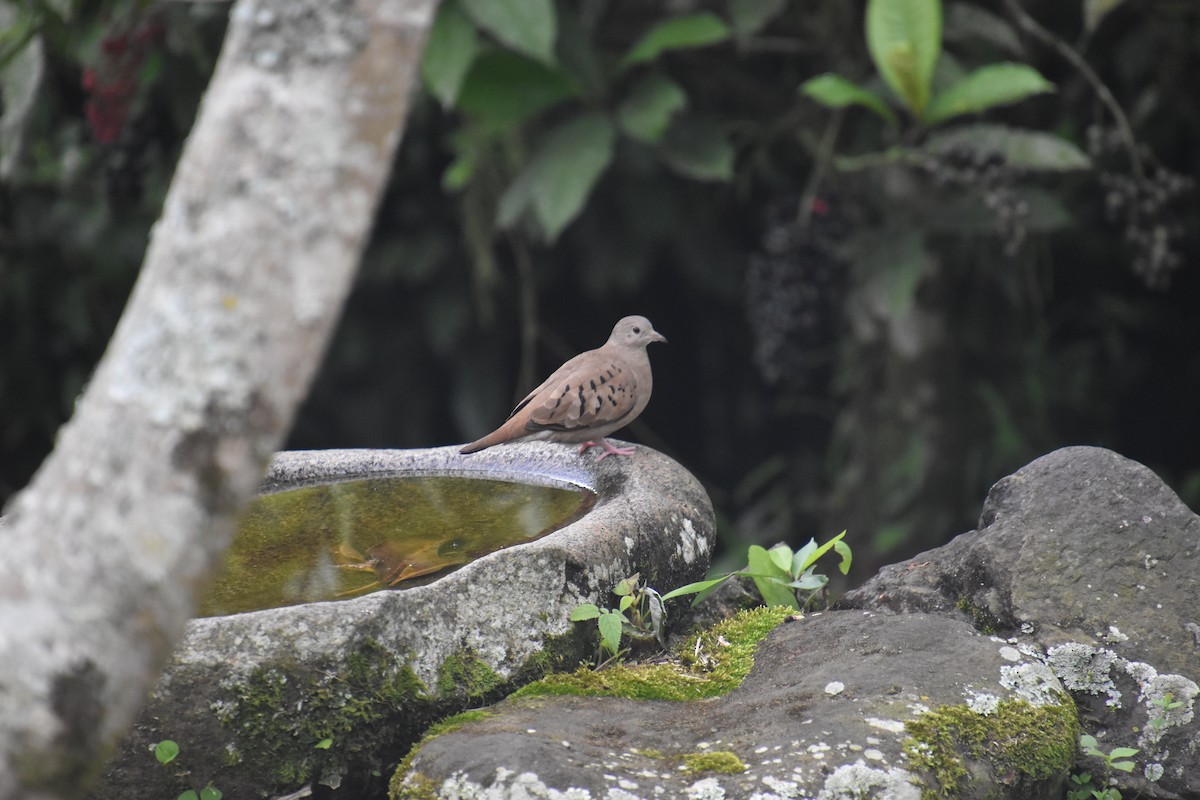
{"x":339,"y":540}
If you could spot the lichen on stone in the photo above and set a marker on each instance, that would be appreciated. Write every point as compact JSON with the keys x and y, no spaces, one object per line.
{"x":705,"y":789}
{"x":1032,"y":682}
{"x":857,"y":780}
{"x":1083,"y":668}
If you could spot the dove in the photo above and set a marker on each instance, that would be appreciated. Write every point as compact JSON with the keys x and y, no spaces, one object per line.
{"x":587,"y":398}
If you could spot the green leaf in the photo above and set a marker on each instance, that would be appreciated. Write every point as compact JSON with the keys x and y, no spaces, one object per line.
{"x":324,"y":744}
{"x":987,"y":87}
{"x":1122,"y":752}
{"x":697,"y":148}
{"x":904,"y":38}
{"x":843,"y":550}
{"x":504,"y":89}
{"x":527,"y":26}
{"x":646,"y":112}
{"x":749,"y":16}
{"x":448,"y":55}
{"x":700,"y":588}
{"x":761,"y":564}
{"x":770,"y":577}
{"x":210,"y":793}
{"x":610,"y":631}
{"x":823,"y":549}
{"x":809,"y":580}
{"x":584,"y":611}
{"x":190,"y":794}
{"x":1124,"y":766}
{"x":1034,"y":151}
{"x":557,"y":180}
{"x":626,"y":585}
{"x":166,"y":751}
{"x":776,"y":592}
{"x":803,"y":557}
{"x":781,"y":557}
{"x":677,"y":33}
{"x":625,"y":602}
{"x":1087,"y":741}
{"x":835,"y":91}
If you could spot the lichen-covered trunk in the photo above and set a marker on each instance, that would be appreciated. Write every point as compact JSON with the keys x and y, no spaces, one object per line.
{"x":103,"y":554}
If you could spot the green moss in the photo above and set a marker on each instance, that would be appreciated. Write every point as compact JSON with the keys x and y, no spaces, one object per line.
{"x":721,"y":761}
{"x":271,"y":712}
{"x":983,"y":620}
{"x":418,"y":786}
{"x":463,"y":674}
{"x":708,"y":665}
{"x":1027,"y":742}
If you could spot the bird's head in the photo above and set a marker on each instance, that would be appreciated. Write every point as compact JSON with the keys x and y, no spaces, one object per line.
{"x":635,"y":331}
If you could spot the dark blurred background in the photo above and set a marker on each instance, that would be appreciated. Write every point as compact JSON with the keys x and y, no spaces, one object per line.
{"x":866,"y":331}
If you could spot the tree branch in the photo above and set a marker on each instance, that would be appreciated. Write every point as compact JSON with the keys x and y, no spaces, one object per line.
{"x":1035,"y":29}
{"x":246,"y":271}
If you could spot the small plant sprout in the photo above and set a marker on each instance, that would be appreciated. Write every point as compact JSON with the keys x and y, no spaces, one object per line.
{"x":1165,"y":704}
{"x":207,"y":793}
{"x":166,"y":752}
{"x":779,"y":574}
{"x":1116,"y":759}
{"x":639,"y":615}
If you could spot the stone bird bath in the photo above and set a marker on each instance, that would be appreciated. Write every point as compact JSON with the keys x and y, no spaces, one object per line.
{"x":266,"y":702}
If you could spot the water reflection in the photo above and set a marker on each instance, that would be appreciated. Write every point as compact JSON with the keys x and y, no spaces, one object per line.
{"x":347,"y":539}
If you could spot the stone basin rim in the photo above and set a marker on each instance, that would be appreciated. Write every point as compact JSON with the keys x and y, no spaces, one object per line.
{"x":558,"y":468}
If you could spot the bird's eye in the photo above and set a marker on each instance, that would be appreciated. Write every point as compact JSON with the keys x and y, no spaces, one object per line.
{"x":637,"y":329}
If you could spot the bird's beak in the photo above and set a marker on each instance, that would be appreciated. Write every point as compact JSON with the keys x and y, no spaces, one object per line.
{"x":658,"y":337}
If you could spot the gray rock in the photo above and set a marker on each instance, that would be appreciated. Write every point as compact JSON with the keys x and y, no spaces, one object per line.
{"x":827,"y":712}
{"x":1092,"y":559}
{"x":249,"y":697}
{"x":952,"y":673}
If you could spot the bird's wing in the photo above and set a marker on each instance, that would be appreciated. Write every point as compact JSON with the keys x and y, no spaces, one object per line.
{"x":595,"y":389}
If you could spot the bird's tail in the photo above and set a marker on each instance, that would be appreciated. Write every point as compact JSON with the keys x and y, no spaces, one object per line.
{"x":493,"y":438}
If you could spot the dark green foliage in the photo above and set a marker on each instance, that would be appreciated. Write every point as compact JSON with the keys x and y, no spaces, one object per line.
{"x":875,"y":312}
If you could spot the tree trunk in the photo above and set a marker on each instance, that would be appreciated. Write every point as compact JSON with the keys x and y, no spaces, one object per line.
{"x":246,"y":271}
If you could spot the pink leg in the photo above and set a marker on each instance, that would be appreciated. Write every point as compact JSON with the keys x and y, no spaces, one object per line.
{"x":609,"y":449}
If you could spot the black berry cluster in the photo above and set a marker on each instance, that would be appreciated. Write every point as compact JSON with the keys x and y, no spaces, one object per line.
{"x":987,"y":174}
{"x":1147,"y":208}
{"x":794,"y":288}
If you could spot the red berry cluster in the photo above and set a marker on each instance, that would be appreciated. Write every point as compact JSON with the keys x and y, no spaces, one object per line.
{"x":111,"y":84}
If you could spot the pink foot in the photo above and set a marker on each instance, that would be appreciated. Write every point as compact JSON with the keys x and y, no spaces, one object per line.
{"x":609,"y":449}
